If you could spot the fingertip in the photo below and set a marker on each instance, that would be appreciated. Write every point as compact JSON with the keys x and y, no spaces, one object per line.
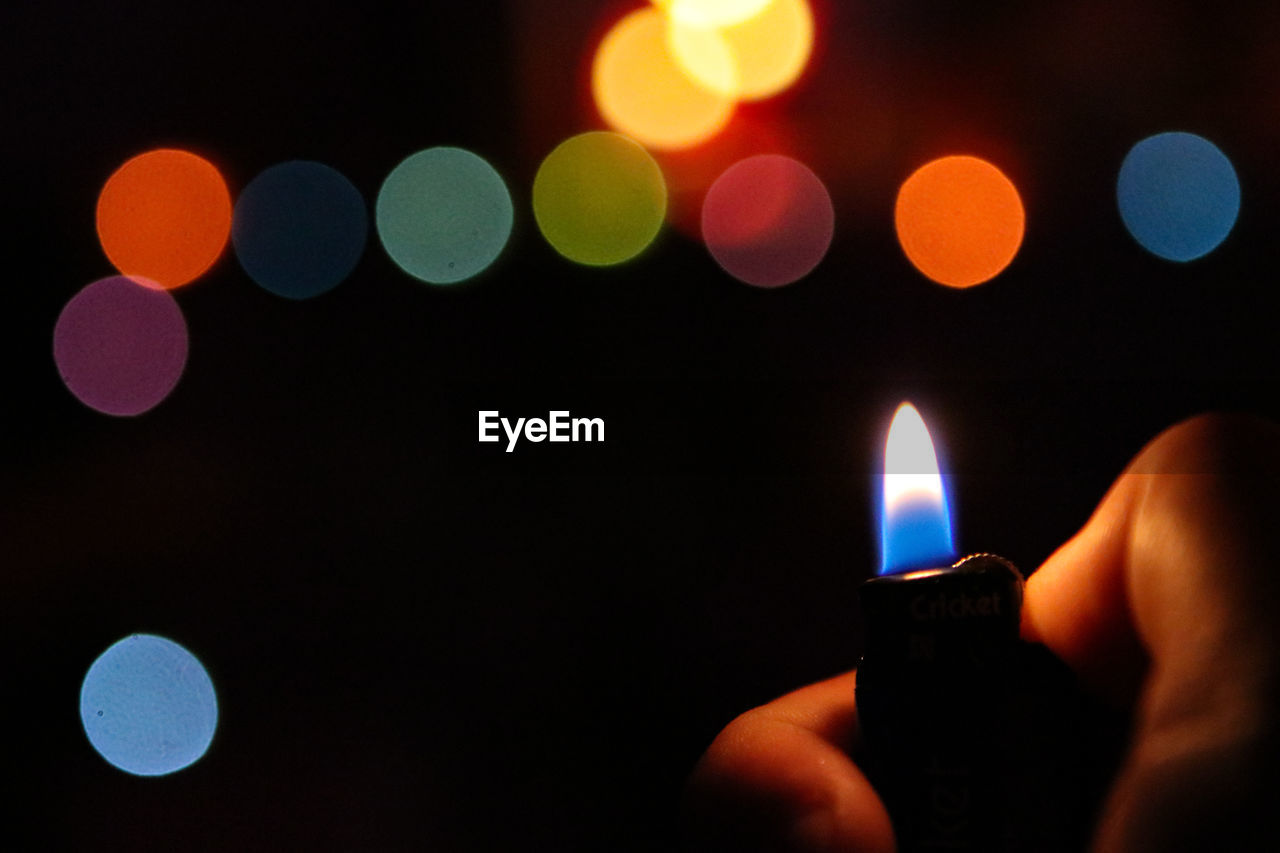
{"x":778,"y":778}
{"x":1217,"y":443}
{"x":1116,"y":593}
{"x":1077,"y":603}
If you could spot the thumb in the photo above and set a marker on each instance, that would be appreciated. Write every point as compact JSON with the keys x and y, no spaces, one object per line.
{"x":1169,"y":595}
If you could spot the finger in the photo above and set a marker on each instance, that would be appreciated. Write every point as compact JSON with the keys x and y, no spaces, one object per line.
{"x":1176,"y":565}
{"x":779,"y":778}
{"x":1078,"y":605}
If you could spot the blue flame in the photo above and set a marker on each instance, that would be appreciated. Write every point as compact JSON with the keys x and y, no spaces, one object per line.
{"x":915,"y":534}
{"x":915,"y":519}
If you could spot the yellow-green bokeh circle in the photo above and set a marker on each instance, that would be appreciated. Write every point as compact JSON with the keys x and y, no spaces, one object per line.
{"x":599,"y":198}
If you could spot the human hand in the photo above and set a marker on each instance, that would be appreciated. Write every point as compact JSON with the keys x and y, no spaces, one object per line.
{"x":1166,"y":600}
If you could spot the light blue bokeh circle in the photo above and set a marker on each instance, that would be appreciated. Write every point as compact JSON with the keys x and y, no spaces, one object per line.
{"x":148,"y":706}
{"x":444,"y":215}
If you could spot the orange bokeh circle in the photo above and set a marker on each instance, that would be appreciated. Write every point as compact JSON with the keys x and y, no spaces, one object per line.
{"x":164,"y":215}
{"x":959,"y":220}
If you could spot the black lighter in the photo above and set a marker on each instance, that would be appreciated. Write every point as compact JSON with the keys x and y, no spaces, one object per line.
{"x":934,"y":698}
{"x":974,"y":739}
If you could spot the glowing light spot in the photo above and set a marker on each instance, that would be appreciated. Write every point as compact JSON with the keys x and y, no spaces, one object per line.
{"x":767,"y":51}
{"x":1178,"y":194}
{"x":444,"y":215}
{"x":599,"y":198}
{"x":148,"y":706}
{"x":768,"y":220}
{"x":712,"y":13}
{"x":705,"y":58}
{"x":915,"y":527}
{"x":164,"y":216}
{"x":642,"y":91}
{"x":299,"y":229}
{"x":120,"y":345}
{"x":960,"y":220}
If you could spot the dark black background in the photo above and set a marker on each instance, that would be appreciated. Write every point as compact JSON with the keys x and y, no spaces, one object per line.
{"x":420,"y":642}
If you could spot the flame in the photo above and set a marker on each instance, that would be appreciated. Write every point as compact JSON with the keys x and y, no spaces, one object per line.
{"x":915,"y":530}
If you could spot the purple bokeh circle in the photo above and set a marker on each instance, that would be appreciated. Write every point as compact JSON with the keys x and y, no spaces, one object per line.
{"x":120,"y":345}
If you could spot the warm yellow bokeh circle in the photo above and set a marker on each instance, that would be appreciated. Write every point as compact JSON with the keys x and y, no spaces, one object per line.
{"x":642,"y":91}
{"x":767,"y":51}
{"x":712,"y":13}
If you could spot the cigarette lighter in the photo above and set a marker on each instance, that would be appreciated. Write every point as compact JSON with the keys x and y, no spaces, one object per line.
{"x":970,"y":735}
{"x":934,"y":700}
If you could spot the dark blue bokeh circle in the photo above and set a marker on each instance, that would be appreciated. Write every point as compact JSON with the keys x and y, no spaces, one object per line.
{"x":299,"y":228}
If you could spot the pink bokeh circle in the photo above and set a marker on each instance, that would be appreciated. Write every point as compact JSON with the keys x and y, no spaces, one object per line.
{"x":120,"y":345}
{"x":768,"y":220}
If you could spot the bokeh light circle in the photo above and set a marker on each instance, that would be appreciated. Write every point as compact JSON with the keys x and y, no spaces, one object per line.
{"x":767,"y":51}
{"x":705,"y":57}
{"x":444,"y":215}
{"x":599,"y":198}
{"x":960,"y":220}
{"x":768,"y":220}
{"x":148,"y":706}
{"x":299,"y":228}
{"x":164,"y":216}
{"x":711,"y":14}
{"x":641,"y":90}
{"x":120,"y":345}
{"x":1178,"y":195}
